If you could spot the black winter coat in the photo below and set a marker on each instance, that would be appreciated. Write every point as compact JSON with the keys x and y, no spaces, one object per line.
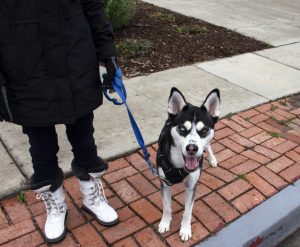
{"x":49,"y":58}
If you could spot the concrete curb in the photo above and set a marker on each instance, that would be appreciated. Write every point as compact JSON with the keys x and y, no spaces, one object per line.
{"x":264,"y":226}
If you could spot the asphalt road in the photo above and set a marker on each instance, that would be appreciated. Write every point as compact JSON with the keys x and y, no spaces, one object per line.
{"x":291,"y":241}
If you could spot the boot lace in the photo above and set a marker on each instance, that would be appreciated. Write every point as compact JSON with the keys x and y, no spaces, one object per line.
{"x":53,"y":208}
{"x":97,"y":194}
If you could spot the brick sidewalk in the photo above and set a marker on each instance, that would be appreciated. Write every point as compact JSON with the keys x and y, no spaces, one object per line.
{"x":258,"y":152}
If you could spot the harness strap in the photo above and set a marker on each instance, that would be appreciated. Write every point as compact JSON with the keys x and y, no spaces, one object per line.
{"x":173,"y":175}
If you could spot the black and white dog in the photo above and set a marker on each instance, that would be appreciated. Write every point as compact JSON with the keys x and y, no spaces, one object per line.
{"x":186,"y":134}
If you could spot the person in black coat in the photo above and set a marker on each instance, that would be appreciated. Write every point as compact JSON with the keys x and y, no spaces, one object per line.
{"x":49,"y":74}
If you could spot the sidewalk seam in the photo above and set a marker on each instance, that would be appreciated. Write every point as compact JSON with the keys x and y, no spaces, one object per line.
{"x":276,"y":61}
{"x":268,"y":100}
{"x":13,"y":159}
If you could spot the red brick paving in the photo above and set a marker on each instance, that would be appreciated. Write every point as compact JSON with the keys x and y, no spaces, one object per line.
{"x":253,"y":166}
{"x":3,"y":220}
{"x":222,"y":207}
{"x":234,"y":189}
{"x":199,"y":233}
{"x":207,"y":216}
{"x":31,"y":239}
{"x":147,"y":237}
{"x":87,"y":236}
{"x":146,"y":210}
{"x":291,"y":173}
{"x":245,"y":167}
{"x":260,"y":184}
{"x":280,"y":164}
{"x":17,"y":211}
{"x":256,"y":156}
{"x":126,"y":242}
{"x":248,"y":200}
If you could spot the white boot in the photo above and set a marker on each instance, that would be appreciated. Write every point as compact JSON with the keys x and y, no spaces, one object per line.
{"x":94,"y":201}
{"x":56,"y":207}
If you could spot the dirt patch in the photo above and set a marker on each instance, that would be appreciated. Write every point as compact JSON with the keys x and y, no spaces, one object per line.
{"x":164,"y":39}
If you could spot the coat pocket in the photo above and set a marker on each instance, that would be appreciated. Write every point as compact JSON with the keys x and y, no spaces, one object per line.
{"x":5,"y":110}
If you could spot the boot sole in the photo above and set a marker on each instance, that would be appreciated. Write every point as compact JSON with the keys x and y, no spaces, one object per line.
{"x":112,"y":223}
{"x":61,"y":237}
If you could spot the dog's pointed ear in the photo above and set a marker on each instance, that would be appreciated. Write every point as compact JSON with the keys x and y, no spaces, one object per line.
{"x":176,"y":102}
{"x":212,"y":103}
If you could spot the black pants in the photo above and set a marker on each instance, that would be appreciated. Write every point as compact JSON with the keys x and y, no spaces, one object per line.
{"x":44,"y":147}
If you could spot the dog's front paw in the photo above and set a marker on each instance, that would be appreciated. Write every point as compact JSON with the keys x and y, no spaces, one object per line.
{"x":164,"y":226}
{"x":213,"y":162}
{"x":185,"y":232}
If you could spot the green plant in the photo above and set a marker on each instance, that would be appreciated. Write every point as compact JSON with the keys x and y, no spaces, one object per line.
{"x":21,"y":196}
{"x":119,"y":12}
{"x":163,"y":16}
{"x":193,"y":29}
{"x":243,"y":177}
{"x":134,"y":47}
{"x":283,"y":122}
{"x":273,"y":107}
{"x":273,"y":134}
{"x":228,"y":116}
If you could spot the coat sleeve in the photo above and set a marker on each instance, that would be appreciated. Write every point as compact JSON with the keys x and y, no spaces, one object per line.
{"x":101,"y":28}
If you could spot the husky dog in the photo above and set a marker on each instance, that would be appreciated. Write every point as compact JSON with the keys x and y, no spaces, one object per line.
{"x":186,"y":134}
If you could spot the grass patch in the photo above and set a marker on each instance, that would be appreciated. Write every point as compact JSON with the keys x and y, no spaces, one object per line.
{"x":228,"y":116}
{"x":134,"y":47}
{"x":193,"y":29}
{"x":21,"y":196}
{"x":286,"y":122}
{"x":273,"y":134}
{"x":283,"y":122}
{"x":163,"y":17}
{"x":273,"y":107}
{"x":243,"y":177}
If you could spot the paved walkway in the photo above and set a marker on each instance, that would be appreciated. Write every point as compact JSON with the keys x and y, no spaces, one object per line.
{"x":257,"y":150}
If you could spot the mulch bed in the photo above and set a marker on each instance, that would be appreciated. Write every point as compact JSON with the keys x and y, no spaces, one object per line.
{"x":172,"y":48}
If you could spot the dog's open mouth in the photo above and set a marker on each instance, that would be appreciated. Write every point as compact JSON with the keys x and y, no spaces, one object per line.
{"x":191,"y":163}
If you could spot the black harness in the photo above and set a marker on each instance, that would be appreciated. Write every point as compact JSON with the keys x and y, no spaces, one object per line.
{"x":173,"y":175}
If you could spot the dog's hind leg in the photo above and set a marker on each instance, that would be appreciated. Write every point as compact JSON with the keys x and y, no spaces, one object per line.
{"x":212,"y":158}
{"x":164,"y":224}
{"x":190,"y":190}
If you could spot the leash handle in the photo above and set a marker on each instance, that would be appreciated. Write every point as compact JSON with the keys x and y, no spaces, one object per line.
{"x":119,"y":87}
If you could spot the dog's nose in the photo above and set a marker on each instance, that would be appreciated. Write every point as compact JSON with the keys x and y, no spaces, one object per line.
{"x":191,"y":149}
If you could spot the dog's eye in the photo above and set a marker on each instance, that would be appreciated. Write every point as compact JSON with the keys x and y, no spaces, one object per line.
{"x":203,"y":132}
{"x":182,"y":129}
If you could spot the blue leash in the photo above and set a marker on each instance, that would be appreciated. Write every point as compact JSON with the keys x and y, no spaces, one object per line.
{"x":119,"y":87}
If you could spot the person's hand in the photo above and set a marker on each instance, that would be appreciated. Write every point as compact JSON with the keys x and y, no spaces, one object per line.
{"x":111,"y":69}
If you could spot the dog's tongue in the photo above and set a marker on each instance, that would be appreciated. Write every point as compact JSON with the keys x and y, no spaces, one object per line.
{"x":191,"y":163}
